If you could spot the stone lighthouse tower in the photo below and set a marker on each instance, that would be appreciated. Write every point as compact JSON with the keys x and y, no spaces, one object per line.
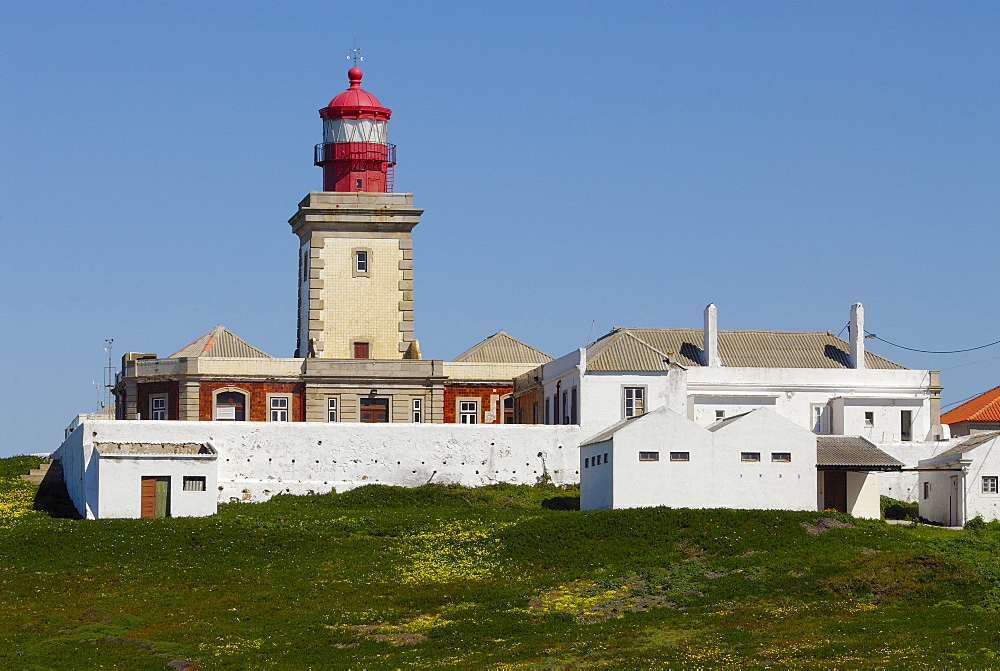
{"x":356,"y":250}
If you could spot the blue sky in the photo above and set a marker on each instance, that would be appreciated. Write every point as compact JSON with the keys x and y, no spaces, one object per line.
{"x":582,"y":166}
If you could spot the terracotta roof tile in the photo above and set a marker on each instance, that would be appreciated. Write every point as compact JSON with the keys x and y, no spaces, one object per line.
{"x":983,"y":408}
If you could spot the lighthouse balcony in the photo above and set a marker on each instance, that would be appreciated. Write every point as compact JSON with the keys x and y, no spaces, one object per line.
{"x":354,"y":151}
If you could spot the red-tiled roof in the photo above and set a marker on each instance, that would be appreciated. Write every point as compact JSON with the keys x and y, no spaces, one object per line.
{"x":983,"y":408}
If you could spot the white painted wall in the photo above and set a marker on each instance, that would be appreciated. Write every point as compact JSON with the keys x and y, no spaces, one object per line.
{"x":596,"y":482}
{"x":715,"y":476}
{"x":957,"y":495}
{"x":260,"y":459}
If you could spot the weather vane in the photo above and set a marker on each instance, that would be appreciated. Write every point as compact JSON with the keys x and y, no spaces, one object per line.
{"x":355,"y":55}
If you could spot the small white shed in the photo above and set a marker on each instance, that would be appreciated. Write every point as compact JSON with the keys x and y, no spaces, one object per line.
{"x":153,"y":480}
{"x":962,"y":482}
{"x":847,"y":472}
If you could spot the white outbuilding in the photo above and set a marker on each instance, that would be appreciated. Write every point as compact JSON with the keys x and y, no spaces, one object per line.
{"x":962,"y":482}
{"x":758,"y":460}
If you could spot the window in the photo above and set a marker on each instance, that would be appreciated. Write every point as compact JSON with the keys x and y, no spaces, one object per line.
{"x":304,"y":266}
{"x":508,"y":410}
{"x":605,"y":457}
{"x":749,"y":456}
{"x":278,"y":409}
{"x":230,"y":406}
{"x":634,"y":405}
{"x":359,"y":184}
{"x":990,"y":484}
{"x":573,"y":417}
{"x":194,"y":483}
{"x":680,"y":456}
{"x":468,"y":412}
{"x":362,"y":350}
{"x":331,"y":410}
{"x":906,"y":424}
{"x":927,"y":490}
{"x":534,"y":412}
{"x":586,"y":462}
{"x":418,"y":415}
{"x":649,"y":456}
{"x":821,"y":419}
{"x":546,"y":410}
{"x":362,"y":263}
{"x":565,"y":407}
{"x":869,"y":420}
{"x":781,"y":456}
{"x":720,"y":415}
{"x":158,"y":407}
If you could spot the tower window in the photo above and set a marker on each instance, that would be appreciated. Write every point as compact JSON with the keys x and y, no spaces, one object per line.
{"x":418,"y":415}
{"x":361,"y":350}
{"x":362,"y":263}
{"x":331,"y":410}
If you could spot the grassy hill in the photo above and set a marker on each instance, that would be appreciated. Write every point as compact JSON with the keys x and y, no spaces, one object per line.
{"x":500,"y":576}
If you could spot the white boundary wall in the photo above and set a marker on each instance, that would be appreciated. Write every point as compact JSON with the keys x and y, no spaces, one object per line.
{"x":260,"y":459}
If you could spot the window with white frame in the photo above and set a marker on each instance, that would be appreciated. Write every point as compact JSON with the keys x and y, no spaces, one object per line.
{"x":869,"y":419}
{"x":194,"y":483}
{"x":821,"y":419}
{"x":927,"y":490}
{"x":331,"y":410}
{"x":634,"y":398}
{"x":278,"y":408}
{"x":362,"y":262}
{"x":158,"y":407}
{"x":990,"y":484}
{"x":781,"y":456}
{"x":468,"y":412}
{"x":418,"y":413}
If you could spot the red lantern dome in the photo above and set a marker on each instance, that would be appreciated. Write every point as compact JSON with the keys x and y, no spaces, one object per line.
{"x":355,"y":153}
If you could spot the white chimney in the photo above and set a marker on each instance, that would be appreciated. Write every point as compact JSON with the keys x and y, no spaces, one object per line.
{"x":857,"y":335}
{"x":710,"y":344}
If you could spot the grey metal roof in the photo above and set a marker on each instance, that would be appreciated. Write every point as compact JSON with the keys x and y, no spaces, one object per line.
{"x":970,"y":444}
{"x":502,"y":348}
{"x":610,"y":431}
{"x":852,"y":452}
{"x":219,"y":342}
{"x":644,"y":349}
{"x":727,"y":421}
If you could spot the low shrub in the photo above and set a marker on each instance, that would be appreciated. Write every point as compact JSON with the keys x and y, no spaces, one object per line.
{"x":894,"y":509}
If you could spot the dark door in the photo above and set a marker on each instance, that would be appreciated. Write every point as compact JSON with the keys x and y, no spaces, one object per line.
{"x":155,"y":496}
{"x":374,"y":410}
{"x":835,"y":490}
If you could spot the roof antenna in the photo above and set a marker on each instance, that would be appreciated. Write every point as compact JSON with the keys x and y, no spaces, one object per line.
{"x":593,"y":323}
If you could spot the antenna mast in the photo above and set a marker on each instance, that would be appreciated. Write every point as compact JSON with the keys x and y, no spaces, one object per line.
{"x":109,"y":374}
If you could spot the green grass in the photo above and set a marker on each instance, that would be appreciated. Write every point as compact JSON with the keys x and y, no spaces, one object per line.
{"x":499,"y":576}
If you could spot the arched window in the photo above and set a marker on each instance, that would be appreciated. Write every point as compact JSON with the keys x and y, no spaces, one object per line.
{"x":230,"y":406}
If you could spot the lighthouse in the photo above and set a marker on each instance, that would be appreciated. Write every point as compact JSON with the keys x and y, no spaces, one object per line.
{"x":355,"y":279}
{"x":355,"y":153}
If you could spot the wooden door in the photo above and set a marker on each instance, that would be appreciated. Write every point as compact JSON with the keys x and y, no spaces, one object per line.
{"x":155,"y":496}
{"x":374,"y":410}
{"x":835,"y":490}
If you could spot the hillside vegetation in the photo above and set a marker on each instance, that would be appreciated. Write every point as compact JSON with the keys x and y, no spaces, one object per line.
{"x":503,"y":576}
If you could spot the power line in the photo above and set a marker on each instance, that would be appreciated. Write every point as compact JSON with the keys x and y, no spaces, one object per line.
{"x":928,"y":351}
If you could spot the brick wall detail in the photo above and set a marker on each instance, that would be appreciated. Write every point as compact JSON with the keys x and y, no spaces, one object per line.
{"x":257,"y":392}
{"x":486,"y":395}
{"x":147,"y":389}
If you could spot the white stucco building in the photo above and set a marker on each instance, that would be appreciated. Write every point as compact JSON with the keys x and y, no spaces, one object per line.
{"x":962,"y":482}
